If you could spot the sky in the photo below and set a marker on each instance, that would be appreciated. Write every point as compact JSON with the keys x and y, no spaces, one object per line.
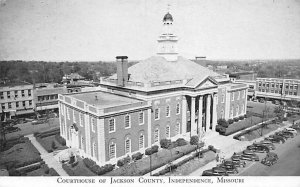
{"x":94,"y":30}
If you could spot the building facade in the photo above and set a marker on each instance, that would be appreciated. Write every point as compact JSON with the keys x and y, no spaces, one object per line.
{"x":16,"y":99}
{"x":180,"y":99}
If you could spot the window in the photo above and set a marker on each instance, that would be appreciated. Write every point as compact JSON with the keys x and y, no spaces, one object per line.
{"x":93,"y":123}
{"x":112,"y":125}
{"x":16,"y":94}
{"x":223,"y":98}
{"x":177,"y":108}
{"x":94,"y":149}
{"x":141,"y":142}
{"x":295,"y":87}
{"x":222,"y":114}
{"x":267,"y":84}
{"x":8,"y":95}
{"x":112,"y":150}
{"x":9,"y":105}
{"x":23,"y":103}
{"x":74,"y":116}
{"x":156,"y":135}
{"x":29,"y":92}
{"x":277,"y":85}
{"x":287,"y":86}
{"x":272,"y":85}
{"x":17,"y":104}
{"x":290,"y":93}
{"x":81,"y":142}
{"x":156,"y":114}
{"x":127,"y":121}
{"x":239,"y":95}
{"x":237,"y":110}
{"x":30,"y":102}
{"x":3,"y":106}
{"x":280,"y":85}
{"x":244,"y":93}
{"x":259,"y":84}
{"x":295,"y":93}
{"x":232,"y":96}
{"x":177,"y":128}
{"x":291,"y":87}
{"x":167,"y":131}
{"x":68,"y":113}
{"x":168,"y":111}
{"x":141,"y":118}
{"x":81,"y":119}
{"x":127,"y":146}
{"x":1,"y":95}
{"x":23,"y":93}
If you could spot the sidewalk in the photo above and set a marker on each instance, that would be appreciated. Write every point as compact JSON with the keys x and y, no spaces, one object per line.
{"x":47,"y":157}
{"x":228,"y":146}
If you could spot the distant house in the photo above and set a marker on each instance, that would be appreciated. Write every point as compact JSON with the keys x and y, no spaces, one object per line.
{"x":72,"y":78}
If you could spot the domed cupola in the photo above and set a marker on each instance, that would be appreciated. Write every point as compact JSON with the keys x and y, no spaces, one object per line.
{"x":168,"y":17}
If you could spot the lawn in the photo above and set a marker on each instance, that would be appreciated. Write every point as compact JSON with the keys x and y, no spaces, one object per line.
{"x":257,"y":133}
{"x":256,"y":107}
{"x":28,"y":128}
{"x":192,"y":165}
{"x":47,"y":143}
{"x":141,"y":167}
{"x":18,"y":154}
{"x":243,"y":124}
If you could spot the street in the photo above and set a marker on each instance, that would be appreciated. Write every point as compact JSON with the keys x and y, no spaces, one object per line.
{"x":287,"y":165}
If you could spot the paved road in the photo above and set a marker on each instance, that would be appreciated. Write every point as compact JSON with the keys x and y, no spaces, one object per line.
{"x":287,"y":165}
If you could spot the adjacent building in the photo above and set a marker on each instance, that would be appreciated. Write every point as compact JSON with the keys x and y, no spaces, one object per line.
{"x":16,"y":98}
{"x":164,"y":96}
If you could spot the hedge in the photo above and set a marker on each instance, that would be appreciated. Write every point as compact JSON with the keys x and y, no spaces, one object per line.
{"x":68,"y":170}
{"x":222,"y":122}
{"x":97,"y":169}
{"x":236,"y":119}
{"x":52,"y":172}
{"x":230,"y":121}
{"x":123,"y":161}
{"x":165,"y":143}
{"x":194,"y":140}
{"x":181,"y":142}
{"x":137,"y":156}
{"x":151,"y":150}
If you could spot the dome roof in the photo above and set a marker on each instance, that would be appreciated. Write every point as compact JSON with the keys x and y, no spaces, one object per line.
{"x":167,"y":17}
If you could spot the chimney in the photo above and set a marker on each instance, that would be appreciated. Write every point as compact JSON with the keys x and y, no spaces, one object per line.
{"x":122,"y":70}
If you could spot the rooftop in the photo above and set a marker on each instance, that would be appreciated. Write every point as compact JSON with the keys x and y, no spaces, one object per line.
{"x":104,"y":99}
{"x":12,"y":84}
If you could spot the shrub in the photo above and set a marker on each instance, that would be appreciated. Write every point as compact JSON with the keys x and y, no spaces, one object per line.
{"x":165,"y":143}
{"x":88,"y":162}
{"x":137,"y":156}
{"x":123,"y":161}
{"x":53,"y":145}
{"x":223,"y":122}
{"x":148,"y":151}
{"x":236,"y":119}
{"x":194,"y":140}
{"x":245,"y":116}
{"x":230,"y":121}
{"x":284,"y":119}
{"x":181,"y":142}
{"x":108,"y":167}
{"x":241,"y":117}
{"x":154,"y":149}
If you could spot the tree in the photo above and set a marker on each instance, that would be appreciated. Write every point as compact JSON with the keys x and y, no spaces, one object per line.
{"x":279,"y":112}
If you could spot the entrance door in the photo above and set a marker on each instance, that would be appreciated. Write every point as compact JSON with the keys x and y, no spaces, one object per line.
{"x":75,"y":140}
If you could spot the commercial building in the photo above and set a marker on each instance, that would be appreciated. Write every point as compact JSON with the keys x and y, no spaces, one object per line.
{"x":16,"y":98}
{"x":164,"y":96}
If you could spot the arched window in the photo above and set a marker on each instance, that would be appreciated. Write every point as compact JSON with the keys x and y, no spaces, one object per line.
{"x":237,"y":110}
{"x":177,"y":129}
{"x":168,"y":131}
{"x":127,"y":145}
{"x":156,"y":135}
{"x":141,"y":141}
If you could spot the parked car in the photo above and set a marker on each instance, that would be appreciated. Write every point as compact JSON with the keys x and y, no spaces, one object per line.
{"x":258,"y":148}
{"x":220,"y":170}
{"x":285,"y":134}
{"x":210,"y":172}
{"x":270,"y":159}
{"x":236,"y":163}
{"x":288,"y":129}
{"x":230,"y":168}
{"x":296,"y":127}
{"x":267,"y":143}
{"x":277,"y":138}
{"x":249,"y":155}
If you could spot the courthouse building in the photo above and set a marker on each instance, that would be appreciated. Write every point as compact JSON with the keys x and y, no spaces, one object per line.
{"x":164,"y":96}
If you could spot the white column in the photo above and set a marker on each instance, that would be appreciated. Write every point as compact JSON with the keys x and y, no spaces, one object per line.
{"x":183,"y":110}
{"x":208,"y":100}
{"x":193,"y":124}
{"x":87,"y":135}
{"x":214,"y":117}
{"x":149,"y":134}
{"x":200,"y":113}
{"x":101,"y":141}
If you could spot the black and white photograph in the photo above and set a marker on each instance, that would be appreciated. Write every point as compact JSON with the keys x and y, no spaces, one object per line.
{"x":150,"y":92}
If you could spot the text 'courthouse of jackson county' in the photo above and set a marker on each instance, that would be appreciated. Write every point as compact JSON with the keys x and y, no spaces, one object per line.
{"x":164,"y":96}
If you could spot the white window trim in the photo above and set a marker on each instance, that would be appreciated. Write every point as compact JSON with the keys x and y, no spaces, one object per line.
{"x":168,"y":114}
{"x":81,"y":116}
{"x":168,"y":133}
{"x":128,"y":120}
{"x":68,"y":113}
{"x":178,"y":107}
{"x":114,"y":125}
{"x":129,"y":146}
{"x":143,"y":118}
{"x":141,"y":135}
{"x":94,"y":151}
{"x":157,"y":135}
{"x":158,"y":116}
{"x":93,"y":124}
{"x":115,"y":151}
{"x":232,"y":96}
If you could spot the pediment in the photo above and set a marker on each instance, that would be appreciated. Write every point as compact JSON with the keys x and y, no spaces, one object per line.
{"x":206,"y":83}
